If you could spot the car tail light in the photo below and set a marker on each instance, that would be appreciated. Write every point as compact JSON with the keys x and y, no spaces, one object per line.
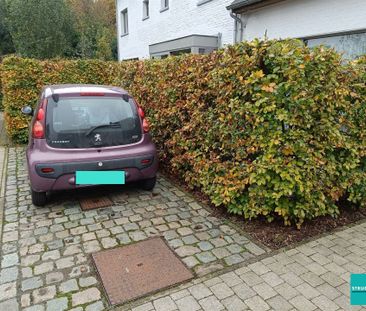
{"x":145,"y":126}
{"x":145,"y":161}
{"x":40,"y":114}
{"x":47,"y":170}
{"x":141,"y":113}
{"x":39,"y":124}
{"x":92,"y":94}
{"x":38,"y":130}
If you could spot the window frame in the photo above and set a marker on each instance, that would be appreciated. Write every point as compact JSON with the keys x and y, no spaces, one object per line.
{"x":145,"y":9}
{"x":164,"y":5}
{"x":124,"y":22}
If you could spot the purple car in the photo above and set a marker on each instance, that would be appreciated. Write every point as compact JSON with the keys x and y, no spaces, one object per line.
{"x":84,"y":135}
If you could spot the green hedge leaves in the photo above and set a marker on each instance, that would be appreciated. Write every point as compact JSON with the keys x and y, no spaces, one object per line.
{"x":264,"y":128}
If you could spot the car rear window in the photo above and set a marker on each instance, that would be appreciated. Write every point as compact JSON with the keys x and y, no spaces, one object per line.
{"x":91,"y":122}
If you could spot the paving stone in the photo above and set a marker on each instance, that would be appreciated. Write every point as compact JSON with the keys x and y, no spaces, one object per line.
{"x":7,"y":291}
{"x":190,"y":261}
{"x":69,"y":286}
{"x":87,"y":296}
{"x":51,"y":255}
{"x":145,"y":307}
{"x":233,"y":303}
{"x":302,"y":304}
{"x":65,"y":262}
{"x":231,"y":279}
{"x":10,"y":305}
{"x":97,"y":306}
{"x":187,"y":250}
{"x":88,"y":281}
{"x":204,"y":245}
{"x":43,"y":294}
{"x":137,"y":236}
{"x":206,"y":257}
{"x":72,"y":250}
{"x":211,"y":304}
{"x":91,"y":246}
{"x":325,"y":303}
{"x":233,"y":259}
{"x":130,"y":227}
{"x":164,"y":304}
{"x":8,"y":274}
{"x":109,"y":242}
{"x":32,"y":283}
{"x":221,"y":252}
{"x":200,"y":291}
{"x":221,"y":291}
{"x":286,"y":290}
{"x":10,"y":260}
{"x":264,"y":290}
{"x":58,"y":304}
{"x":279,"y":303}
{"x":184,"y":231}
{"x":25,"y":300}
{"x":123,"y":238}
{"x":256,"y":303}
{"x":54,"y":277}
{"x":43,"y":268}
{"x":187,"y":303}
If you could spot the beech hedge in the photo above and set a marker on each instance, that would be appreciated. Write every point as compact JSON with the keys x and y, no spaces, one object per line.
{"x":263,"y":128}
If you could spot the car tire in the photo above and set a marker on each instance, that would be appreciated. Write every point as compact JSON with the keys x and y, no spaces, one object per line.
{"x":39,"y":198}
{"x":148,"y":184}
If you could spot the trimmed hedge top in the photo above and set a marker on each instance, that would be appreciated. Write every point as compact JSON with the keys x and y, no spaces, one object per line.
{"x":264,"y":128}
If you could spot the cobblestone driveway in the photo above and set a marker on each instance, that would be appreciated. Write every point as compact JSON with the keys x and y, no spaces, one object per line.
{"x":45,"y":262}
{"x":313,"y":276}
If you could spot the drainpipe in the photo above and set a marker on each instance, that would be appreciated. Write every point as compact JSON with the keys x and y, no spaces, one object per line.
{"x":238,"y":21}
{"x":117,"y":30}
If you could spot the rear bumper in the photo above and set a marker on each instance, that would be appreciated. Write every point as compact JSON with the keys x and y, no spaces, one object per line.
{"x":65,"y":163}
{"x":64,"y":176}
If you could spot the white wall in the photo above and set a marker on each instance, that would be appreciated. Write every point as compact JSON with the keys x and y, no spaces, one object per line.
{"x":303,"y":18}
{"x":183,"y":18}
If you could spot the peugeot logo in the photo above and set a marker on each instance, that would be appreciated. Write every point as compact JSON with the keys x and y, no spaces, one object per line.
{"x":97,"y":137}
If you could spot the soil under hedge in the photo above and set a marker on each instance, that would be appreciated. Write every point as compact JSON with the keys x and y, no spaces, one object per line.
{"x":276,"y":235}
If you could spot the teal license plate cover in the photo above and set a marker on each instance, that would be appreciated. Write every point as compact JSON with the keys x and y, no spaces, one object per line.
{"x":100,"y":177}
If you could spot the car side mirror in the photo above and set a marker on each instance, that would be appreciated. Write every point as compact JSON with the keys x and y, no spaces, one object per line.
{"x":27,"y":110}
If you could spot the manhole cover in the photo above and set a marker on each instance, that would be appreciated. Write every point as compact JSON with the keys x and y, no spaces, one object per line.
{"x":93,"y":203}
{"x":136,"y":270}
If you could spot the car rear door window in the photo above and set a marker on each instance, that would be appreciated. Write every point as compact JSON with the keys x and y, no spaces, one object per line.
{"x":90,"y":122}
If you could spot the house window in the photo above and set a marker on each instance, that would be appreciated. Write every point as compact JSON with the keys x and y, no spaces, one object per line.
{"x":351,"y":45}
{"x":145,"y":9}
{"x":164,"y":5}
{"x":124,"y":22}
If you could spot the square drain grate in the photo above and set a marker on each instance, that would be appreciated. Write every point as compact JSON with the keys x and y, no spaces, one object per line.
{"x":93,"y":203}
{"x":139,"y":269}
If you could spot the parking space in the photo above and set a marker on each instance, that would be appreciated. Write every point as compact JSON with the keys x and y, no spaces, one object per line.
{"x":46,"y":252}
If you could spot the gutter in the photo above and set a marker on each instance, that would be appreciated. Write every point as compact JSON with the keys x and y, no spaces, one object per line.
{"x":238,"y":21}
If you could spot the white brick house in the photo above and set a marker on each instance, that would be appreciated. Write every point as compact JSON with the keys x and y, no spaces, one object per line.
{"x":158,"y":28}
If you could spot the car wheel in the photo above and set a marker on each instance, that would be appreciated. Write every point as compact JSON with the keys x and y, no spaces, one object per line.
{"x":148,"y":184}
{"x":39,"y":198}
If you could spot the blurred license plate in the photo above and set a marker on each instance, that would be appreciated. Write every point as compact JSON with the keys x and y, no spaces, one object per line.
{"x":100,"y":177}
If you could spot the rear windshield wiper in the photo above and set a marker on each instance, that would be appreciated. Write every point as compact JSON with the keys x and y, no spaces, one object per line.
{"x":111,"y":124}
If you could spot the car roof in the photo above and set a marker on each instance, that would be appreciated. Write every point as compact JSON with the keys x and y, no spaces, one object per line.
{"x":81,"y":88}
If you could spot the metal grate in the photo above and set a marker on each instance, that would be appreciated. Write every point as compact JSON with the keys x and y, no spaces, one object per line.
{"x":139,"y":269}
{"x":93,"y":203}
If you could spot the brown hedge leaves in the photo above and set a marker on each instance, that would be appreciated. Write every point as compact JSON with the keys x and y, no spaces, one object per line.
{"x":264,"y":128}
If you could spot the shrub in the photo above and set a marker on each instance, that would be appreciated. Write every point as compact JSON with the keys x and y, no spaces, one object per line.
{"x":264,"y":128}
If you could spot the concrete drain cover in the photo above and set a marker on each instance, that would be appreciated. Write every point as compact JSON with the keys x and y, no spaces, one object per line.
{"x":93,"y":203}
{"x":139,"y":269}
